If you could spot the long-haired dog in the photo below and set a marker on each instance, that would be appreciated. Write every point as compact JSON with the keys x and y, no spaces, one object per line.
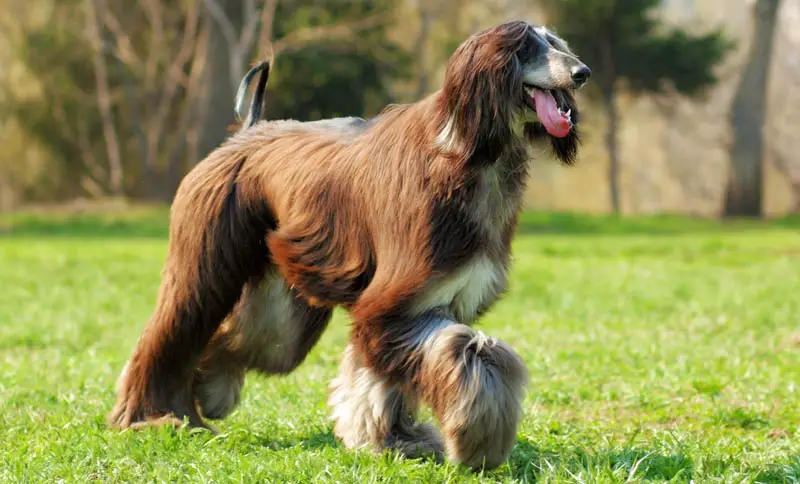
{"x":405,"y":220}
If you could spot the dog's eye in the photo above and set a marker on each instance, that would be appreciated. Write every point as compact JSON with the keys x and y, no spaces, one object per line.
{"x":529,"y":50}
{"x":555,"y":43}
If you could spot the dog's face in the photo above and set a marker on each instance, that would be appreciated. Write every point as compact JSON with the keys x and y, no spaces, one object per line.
{"x":549,"y":73}
{"x":515,"y":80}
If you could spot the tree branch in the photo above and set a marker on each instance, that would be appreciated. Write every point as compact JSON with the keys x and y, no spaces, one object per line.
{"x":420,"y":49}
{"x":155,"y":16}
{"x":92,"y":187}
{"x":192,"y":93}
{"x":96,"y":171}
{"x":175,"y":69}
{"x":123,"y":48}
{"x":104,"y":101}
{"x":303,"y":37}
{"x":267,"y":19}
{"x":225,"y":25}
{"x":250,"y":26}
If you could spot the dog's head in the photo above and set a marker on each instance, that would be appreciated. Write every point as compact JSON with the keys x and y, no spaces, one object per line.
{"x":515,"y":80}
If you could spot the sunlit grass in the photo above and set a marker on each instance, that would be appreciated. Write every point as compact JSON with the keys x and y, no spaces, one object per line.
{"x":660,"y":349}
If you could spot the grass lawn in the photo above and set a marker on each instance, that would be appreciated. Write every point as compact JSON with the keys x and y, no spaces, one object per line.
{"x":659,"y":349}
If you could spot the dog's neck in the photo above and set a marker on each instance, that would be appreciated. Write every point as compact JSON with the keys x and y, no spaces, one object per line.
{"x":499,"y":191}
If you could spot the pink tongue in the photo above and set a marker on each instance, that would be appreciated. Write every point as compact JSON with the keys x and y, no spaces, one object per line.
{"x":547,"y":110}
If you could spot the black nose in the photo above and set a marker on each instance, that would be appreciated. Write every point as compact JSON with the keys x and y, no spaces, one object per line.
{"x":580,"y":74}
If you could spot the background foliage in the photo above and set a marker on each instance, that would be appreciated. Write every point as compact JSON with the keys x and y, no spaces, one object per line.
{"x":112,"y":98}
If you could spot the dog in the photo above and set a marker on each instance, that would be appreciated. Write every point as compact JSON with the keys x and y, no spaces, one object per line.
{"x":405,"y":221}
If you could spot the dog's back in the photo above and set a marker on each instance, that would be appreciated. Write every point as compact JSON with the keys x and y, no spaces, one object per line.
{"x":256,"y":110}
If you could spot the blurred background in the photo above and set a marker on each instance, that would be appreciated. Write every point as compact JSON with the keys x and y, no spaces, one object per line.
{"x":692,"y":109}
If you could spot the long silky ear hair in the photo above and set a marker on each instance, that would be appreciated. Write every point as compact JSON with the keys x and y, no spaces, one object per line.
{"x":481,"y":82}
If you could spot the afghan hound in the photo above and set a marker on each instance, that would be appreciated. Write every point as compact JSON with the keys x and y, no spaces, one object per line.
{"x":405,"y":221}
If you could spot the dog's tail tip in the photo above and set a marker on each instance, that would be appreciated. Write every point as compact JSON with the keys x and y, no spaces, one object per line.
{"x":245,"y":84}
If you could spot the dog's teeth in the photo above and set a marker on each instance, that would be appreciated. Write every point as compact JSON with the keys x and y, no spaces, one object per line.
{"x":568,"y":113}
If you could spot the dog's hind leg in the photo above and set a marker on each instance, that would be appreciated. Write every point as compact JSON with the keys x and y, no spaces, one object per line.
{"x":271,"y":331}
{"x":216,"y":245}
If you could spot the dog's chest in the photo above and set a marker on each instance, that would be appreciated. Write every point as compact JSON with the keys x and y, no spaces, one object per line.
{"x":468,"y":290}
{"x":475,"y":283}
{"x":495,"y":201}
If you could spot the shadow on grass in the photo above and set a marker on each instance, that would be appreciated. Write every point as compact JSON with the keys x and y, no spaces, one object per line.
{"x":780,"y":474}
{"x":308,"y":441}
{"x":528,"y":462}
{"x":153,"y":222}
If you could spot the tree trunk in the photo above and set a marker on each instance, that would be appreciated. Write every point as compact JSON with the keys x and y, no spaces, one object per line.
{"x":609,"y":77}
{"x":420,"y":48}
{"x":115,"y":168}
{"x":217,"y":102}
{"x":610,"y":101}
{"x":743,"y":194}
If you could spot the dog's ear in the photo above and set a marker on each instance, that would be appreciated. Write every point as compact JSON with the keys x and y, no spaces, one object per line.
{"x":481,"y":80}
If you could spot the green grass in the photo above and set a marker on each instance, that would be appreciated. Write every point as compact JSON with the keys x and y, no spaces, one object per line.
{"x":660,"y":349}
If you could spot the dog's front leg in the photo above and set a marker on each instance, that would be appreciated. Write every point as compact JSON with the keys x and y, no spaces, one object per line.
{"x":371,"y":412}
{"x":473,"y":383}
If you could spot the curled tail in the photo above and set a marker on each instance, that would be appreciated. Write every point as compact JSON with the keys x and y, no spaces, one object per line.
{"x":257,"y":103}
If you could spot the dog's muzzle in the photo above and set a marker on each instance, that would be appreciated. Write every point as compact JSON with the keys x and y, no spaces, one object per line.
{"x":580,"y":74}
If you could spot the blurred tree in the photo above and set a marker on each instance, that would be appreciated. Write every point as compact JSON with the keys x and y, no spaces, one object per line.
{"x":112,"y":79}
{"x":153,"y":48}
{"x":420,"y":48}
{"x":231,"y":28}
{"x":126,"y":97}
{"x":62,"y":115}
{"x":784,"y":104}
{"x":628,"y":48}
{"x":743,"y":194}
{"x":430,"y":32}
{"x":333,"y":58}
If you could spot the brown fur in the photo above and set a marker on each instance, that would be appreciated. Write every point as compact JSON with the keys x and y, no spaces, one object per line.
{"x":405,"y":220}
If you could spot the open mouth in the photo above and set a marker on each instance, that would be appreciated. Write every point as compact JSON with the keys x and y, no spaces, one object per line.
{"x":555,"y":120}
